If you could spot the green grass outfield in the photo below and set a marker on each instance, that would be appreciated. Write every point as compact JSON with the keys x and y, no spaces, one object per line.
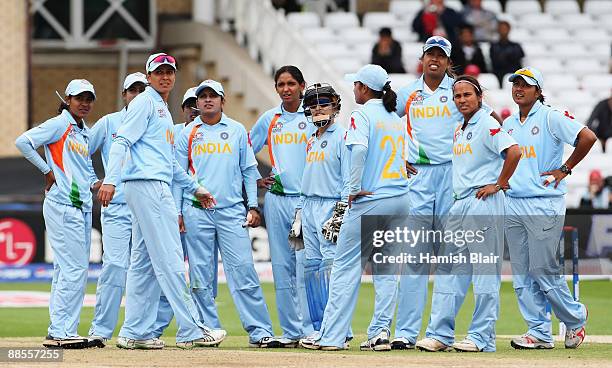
{"x":24,"y":322}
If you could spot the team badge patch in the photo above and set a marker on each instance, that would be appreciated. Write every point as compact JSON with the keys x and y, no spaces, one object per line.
{"x":198,"y":137}
{"x":535,"y":130}
{"x":302,"y":125}
{"x":277,"y":127}
{"x":443,"y":99}
{"x":161,"y":113}
{"x":224,"y":135}
{"x":418,"y":99}
{"x":323,"y":144}
{"x":469,"y":136}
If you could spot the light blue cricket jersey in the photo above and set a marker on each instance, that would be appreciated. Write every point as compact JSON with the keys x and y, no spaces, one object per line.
{"x":541,"y":139}
{"x":149,"y":130}
{"x":67,"y":153}
{"x":384,"y":135}
{"x":477,"y":159}
{"x":431,"y":121}
{"x":101,"y":136}
{"x":286,"y":135}
{"x":327,"y":172}
{"x":217,"y":156}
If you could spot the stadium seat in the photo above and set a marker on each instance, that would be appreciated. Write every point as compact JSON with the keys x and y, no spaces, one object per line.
{"x":552,"y":35}
{"x":376,"y":20}
{"x":576,"y":21}
{"x":413,"y":49}
{"x":584,"y":65}
{"x":404,"y":34}
{"x":582,"y":113}
{"x":401,"y":80}
{"x":357,"y":35}
{"x":340,"y":20}
{"x":594,"y":82}
{"x":592,"y":36}
{"x":332,"y":50}
{"x":573,"y":99}
{"x":598,"y":7}
{"x":305,"y":19}
{"x":521,"y":7}
{"x":492,"y":5}
{"x":534,"y":50}
{"x":454,"y":4}
{"x":499,"y":99}
{"x":561,"y":82}
{"x":600,"y":51}
{"x":319,"y":34}
{"x":568,"y":50}
{"x":403,"y":7}
{"x":536,"y":21}
{"x":521,"y":35}
{"x":346,"y":64}
{"x":363,"y":52}
{"x":488,"y":81}
{"x":561,"y":7}
{"x":547,"y":66}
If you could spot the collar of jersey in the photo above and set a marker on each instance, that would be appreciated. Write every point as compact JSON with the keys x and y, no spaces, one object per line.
{"x":447,"y":83}
{"x":535,"y":108}
{"x":373,"y":101}
{"x":198,"y":121}
{"x":68,"y":116}
{"x":279,"y":110}
{"x":154,"y":94}
{"x":477,"y":116}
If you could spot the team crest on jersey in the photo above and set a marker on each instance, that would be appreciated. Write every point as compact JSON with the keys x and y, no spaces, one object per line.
{"x":224,"y":135}
{"x":199,"y":136}
{"x":418,"y":99}
{"x":469,"y":136}
{"x":302,"y":125}
{"x":277,"y":127}
{"x":443,"y":99}
{"x":161,"y":112}
{"x":323,"y":144}
{"x":535,"y":130}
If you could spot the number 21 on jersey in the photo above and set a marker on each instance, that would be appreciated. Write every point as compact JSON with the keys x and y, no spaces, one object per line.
{"x":387,"y":172}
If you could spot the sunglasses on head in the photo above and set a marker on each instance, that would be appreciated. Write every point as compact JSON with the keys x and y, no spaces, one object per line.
{"x":163,"y":59}
{"x":439,"y":42}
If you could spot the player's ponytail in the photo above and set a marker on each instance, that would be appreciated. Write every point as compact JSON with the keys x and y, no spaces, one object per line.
{"x":62,"y":106}
{"x":541,"y":97}
{"x":389,"y":98}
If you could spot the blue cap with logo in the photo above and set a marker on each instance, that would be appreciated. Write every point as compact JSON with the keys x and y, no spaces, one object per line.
{"x":438,"y":41}
{"x":212,"y":84}
{"x":532,"y":76}
{"x":373,"y":76}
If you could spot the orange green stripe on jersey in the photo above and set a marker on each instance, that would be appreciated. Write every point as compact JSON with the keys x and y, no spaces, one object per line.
{"x":277,"y":187}
{"x":57,"y":149}
{"x":75,"y":196}
{"x":423,"y":158}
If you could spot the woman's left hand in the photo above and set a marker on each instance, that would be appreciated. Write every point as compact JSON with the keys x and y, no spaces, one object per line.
{"x":486,"y":191}
{"x":558,"y":175}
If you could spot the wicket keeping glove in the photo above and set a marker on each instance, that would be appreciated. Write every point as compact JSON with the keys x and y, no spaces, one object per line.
{"x":296,"y":239}
{"x":331,"y":227}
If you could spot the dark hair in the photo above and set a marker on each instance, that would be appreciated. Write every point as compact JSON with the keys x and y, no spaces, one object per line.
{"x":385,"y":32}
{"x":504,"y":22}
{"x":541,"y":98}
{"x":388,"y":96}
{"x":293,"y":70}
{"x":466,"y":26}
{"x":63,"y":106}
{"x":471,"y":80}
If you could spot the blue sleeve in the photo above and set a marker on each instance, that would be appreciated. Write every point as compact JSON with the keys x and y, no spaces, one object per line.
{"x":358,"y":157}
{"x":180,"y":177}
{"x":248,"y":166}
{"x":564,"y":127}
{"x":359,"y":130}
{"x":46,"y":133}
{"x":25,"y":146}
{"x":136,"y":119}
{"x":402,"y":98}
{"x":259,"y":133}
{"x":345,"y":162}
{"x":116,"y":158}
{"x":93,"y":178}
{"x":97,"y":134}
{"x":180,"y":154}
{"x":497,"y":139}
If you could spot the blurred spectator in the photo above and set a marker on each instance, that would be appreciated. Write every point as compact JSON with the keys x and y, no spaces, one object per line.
{"x":437,"y":20}
{"x":467,"y":51}
{"x":600,"y":120}
{"x":484,"y":21}
{"x":505,"y":113}
{"x":506,"y":56}
{"x":387,"y":52}
{"x":598,"y":195}
{"x":472,"y":70}
{"x":290,"y":6}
